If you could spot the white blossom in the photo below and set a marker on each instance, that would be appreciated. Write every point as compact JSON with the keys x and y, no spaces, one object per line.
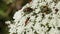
{"x":36,"y":21}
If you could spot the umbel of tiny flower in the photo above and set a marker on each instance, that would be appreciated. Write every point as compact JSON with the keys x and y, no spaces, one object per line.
{"x":36,"y":17}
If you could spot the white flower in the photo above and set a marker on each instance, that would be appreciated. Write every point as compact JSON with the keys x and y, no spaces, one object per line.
{"x":20,"y":29}
{"x":37,"y":10}
{"x":58,"y":5}
{"x":54,"y":31}
{"x":32,"y":18}
{"x":18,"y":15}
{"x":49,"y":1}
{"x":8,"y":22}
{"x":35,"y":24}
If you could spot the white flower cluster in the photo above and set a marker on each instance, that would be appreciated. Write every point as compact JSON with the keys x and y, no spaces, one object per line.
{"x":37,"y":21}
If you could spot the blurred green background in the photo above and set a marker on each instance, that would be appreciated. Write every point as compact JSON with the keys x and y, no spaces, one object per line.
{"x":7,"y":10}
{"x":4,"y":16}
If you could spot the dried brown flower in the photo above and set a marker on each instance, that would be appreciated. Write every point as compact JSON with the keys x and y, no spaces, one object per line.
{"x":45,"y":9}
{"x":28,"y":10}
{"x":27,"y":21}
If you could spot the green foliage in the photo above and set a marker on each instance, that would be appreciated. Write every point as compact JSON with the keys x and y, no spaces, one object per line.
{"x":3,"y":17}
